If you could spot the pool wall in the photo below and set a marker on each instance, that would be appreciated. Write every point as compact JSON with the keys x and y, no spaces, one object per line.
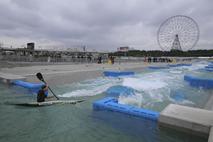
{"x":188,"y":119}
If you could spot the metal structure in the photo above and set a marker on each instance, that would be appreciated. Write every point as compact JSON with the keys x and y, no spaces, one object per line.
{"x":178,"y":33}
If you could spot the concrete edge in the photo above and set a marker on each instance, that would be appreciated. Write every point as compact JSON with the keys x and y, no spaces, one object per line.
{"x":185,"y":130}
{"x":211,"y":135}
{"x":201,"y":130}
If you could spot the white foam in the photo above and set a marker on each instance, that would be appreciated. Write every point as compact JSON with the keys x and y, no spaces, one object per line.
{"x":86,"y":92}
{"x":135,"y":100}
{"x":157,"y":95}
{"x":183,"y":102}
{"x":143,"y":85}
{"x":176,"y":71}
{"x":152,"y":87}
{"x":91,"y":88}
{"x":197,"y":66}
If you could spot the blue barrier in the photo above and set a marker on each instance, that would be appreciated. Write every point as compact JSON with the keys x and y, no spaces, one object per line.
{"x":116,"y":91}
{"x":34,"y":87}
{"x":206,"y":69}
{"x":155,"y":67}
{"x":179,"y":65}
{"x":211,"y":65}
{"x":187,"y":78}
{"x":116,"y":73}
{"x":199,"y":82}
{"x":209,"y":69}
{"x":185,"y":64}
{"x":111,"y":104}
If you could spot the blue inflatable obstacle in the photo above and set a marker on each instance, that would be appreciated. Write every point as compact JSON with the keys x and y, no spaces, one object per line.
{"x":116,"y":73}
{"x":116,"y":91}
{"x":33,"y":87}
{"x":209,"y":69}
{"x":199,"y":82}
{"x":158,"y":67}
{"x":179,"y":65}
{"x":111,"y":104}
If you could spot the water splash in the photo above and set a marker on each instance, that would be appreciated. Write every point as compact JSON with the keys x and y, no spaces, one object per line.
{"x":151,"y":90}
{"x":135,"y":100}
{"x":90,"y":87}
{"x":143,"y":85}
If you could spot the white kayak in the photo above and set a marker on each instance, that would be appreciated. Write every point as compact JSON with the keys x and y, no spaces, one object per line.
{"x":48,"y":103}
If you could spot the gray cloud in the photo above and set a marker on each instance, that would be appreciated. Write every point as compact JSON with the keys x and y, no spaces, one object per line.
{"x":99,"y":24}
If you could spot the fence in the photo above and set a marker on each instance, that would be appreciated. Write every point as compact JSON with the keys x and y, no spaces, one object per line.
{"x":82,"y":59}
{"x":15,"y":58}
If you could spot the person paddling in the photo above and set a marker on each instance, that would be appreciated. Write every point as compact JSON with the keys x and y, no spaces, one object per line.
{"x":41,"y":93}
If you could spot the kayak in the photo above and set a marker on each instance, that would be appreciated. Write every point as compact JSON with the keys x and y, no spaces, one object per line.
{"x":48,"y":103}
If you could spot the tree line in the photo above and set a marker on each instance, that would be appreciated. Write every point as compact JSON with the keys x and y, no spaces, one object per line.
{"x":158,"y":53}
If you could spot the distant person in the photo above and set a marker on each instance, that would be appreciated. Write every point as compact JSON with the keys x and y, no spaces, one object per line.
{"x":145,"y":59}
{"x":113,"y":59}
{"x":149,"y":59}
{"x":89,"y":58}
{"x":41,"y":93}
{"x":99,"y":60}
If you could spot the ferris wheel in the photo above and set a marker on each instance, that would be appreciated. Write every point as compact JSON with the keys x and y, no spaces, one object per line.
{"x":178,"y":33}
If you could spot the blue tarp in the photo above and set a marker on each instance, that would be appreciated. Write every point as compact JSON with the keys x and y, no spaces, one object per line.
{"x":116,"y":73}
{"x":34,"y":87}
{"x":209,"y":69}
{"x":155,"y":67}
{"x":199,"y":82}
{"x":111,"y":104}
{"x":116,"y":91}
{"x":179,"y":65}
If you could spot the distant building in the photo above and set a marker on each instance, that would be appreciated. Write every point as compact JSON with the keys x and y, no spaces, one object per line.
{"x":31,"y":46}
{"x":123,"y":49}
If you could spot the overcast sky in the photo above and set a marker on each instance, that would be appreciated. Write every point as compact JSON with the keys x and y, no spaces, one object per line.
{"x":98,"y":24}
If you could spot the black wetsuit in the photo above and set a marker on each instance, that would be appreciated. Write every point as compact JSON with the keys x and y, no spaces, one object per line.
{"x":41,"y":96}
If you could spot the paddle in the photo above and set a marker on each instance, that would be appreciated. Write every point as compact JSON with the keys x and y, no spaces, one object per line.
{"x":40,"y":77}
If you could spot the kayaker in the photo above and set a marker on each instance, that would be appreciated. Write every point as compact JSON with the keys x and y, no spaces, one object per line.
{"x":41,"y":93}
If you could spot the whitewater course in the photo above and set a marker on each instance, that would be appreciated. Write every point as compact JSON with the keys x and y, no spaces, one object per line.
{"x":122,"y":102}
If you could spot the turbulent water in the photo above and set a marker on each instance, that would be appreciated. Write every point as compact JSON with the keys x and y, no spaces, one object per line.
{"x":154,"y":89}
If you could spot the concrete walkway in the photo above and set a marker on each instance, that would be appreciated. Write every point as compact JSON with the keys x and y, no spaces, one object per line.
{"x":52,"y":69}
{"x":10,"y":77}
{"x":62,"y":74}
{"x":193,"y":120}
